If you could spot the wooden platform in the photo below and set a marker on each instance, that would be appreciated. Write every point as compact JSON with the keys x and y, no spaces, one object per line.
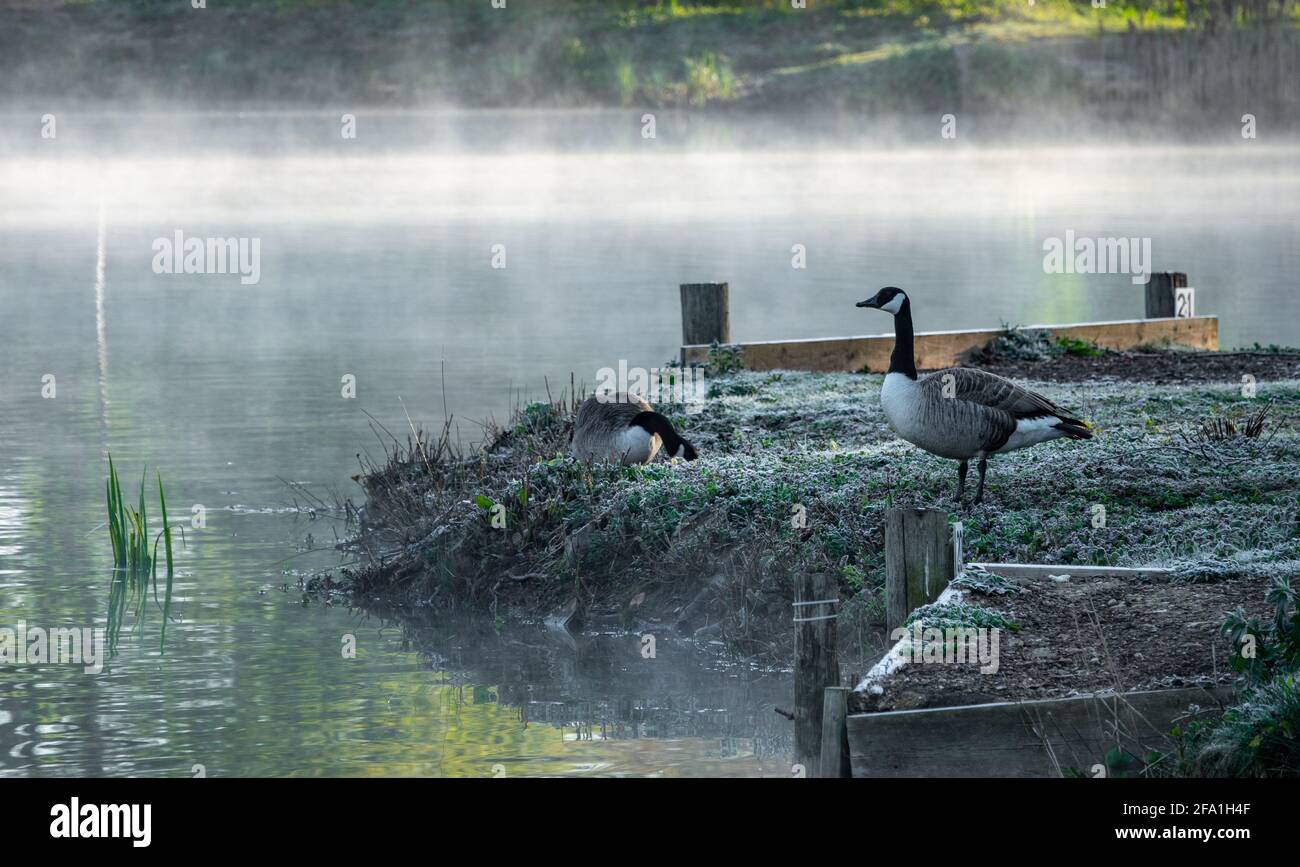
{"x":1045,"y":738}
{"x":936,"y":349}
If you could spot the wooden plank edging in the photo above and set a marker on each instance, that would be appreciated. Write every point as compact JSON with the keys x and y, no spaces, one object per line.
{"x":936,"y":349}
{"x":1037,"y":738}
{"x":1043,"y":570}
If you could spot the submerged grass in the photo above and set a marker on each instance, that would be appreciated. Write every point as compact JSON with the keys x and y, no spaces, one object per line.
{"x":135,"y":565}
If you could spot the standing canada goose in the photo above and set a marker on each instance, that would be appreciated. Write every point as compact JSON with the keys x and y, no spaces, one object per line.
{"x":962,"y":413}
{"x":623,"y":427}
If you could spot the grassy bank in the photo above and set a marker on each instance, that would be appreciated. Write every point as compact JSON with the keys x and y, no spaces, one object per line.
{"x":1191,"y":474}
{"x":711,"y":544}
{"x":854,"y":56}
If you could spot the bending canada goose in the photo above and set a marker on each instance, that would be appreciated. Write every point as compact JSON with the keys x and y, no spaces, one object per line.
{"x":962,"y":413}
{"x":623,"y":427}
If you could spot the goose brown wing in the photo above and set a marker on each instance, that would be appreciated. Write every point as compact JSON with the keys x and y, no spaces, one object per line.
{"x":985,"y":404}
{"x":994,"y":392}
{"x":613,"y":413}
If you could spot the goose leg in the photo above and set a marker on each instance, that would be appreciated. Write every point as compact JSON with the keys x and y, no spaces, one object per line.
{"x":961,"y":479}
{"x":979,"y":492}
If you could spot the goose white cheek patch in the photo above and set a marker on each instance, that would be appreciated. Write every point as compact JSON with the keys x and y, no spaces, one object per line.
{"x":894,"y":305}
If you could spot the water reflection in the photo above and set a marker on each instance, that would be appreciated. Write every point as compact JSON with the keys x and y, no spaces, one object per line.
{"x":685,"y":710}
{"x":254,"y":681}
{"x":378,"y":265}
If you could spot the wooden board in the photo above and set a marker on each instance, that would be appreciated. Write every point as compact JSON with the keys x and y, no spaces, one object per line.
{"x":1040,"y":570}
{"x":936,"y":349}
{"x":1041,"y":738}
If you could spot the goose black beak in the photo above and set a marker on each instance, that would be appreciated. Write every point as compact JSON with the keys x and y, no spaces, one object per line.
{"x":870,"y":302}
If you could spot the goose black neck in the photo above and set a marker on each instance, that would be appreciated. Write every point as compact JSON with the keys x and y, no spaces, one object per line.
{"x":654,"y":423}
{"x":903,"y":361}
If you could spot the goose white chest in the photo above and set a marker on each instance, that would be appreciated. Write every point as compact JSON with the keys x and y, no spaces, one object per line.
{"x":904,"y":403}
{"x":636,"y":445}
{"x":900,"y":399}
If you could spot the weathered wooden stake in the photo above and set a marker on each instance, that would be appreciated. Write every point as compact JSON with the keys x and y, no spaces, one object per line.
{"x":816,"y":665}
{"x":958,"y":548}
{"x":706,"y":313}
{"x":1160,"y":293}
{"x":834,"y":762}
{"x":918,"y":560}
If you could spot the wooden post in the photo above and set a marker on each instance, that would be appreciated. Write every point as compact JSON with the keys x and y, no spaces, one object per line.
{"x":1160,"y":293}
{"x":958,"y":548}
{"x":918,"y":561}
{"x":816,"y":665}
{"x":706,"y":313}
{"x":834,"y":762}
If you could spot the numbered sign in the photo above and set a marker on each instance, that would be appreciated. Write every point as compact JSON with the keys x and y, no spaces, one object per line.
{"x":1184,"y":302}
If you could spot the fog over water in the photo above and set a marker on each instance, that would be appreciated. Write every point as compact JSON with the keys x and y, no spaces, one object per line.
{"x":376,"y":261}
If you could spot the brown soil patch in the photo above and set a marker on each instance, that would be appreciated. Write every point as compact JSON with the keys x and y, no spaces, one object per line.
{"x":1086,"y":635}
{"x":1158,"y":367}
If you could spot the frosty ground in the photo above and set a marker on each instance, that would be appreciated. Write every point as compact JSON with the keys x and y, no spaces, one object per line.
{"x":795,"y":473}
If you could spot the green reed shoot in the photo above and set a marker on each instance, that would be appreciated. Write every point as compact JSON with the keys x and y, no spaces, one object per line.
{"x":135,"y":565}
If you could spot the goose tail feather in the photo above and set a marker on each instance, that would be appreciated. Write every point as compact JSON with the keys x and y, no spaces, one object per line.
{"x":1074,"y":428}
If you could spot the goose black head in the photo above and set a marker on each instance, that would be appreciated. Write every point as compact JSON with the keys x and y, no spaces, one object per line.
{"x":684,"y":450}
{"x":890,"y":299}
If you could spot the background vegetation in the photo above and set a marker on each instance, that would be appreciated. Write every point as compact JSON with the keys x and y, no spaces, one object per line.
{"x":850,"y":55}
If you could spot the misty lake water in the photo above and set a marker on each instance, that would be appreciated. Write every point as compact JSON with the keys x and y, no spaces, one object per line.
{"x":376,"y":261}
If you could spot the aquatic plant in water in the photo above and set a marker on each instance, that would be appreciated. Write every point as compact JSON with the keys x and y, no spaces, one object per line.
{"x":135,"y":566}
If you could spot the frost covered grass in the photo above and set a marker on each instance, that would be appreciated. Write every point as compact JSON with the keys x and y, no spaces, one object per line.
{"x":795,"y":474}
{"x":1257,"y":735}
{"x":959,"y":615}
